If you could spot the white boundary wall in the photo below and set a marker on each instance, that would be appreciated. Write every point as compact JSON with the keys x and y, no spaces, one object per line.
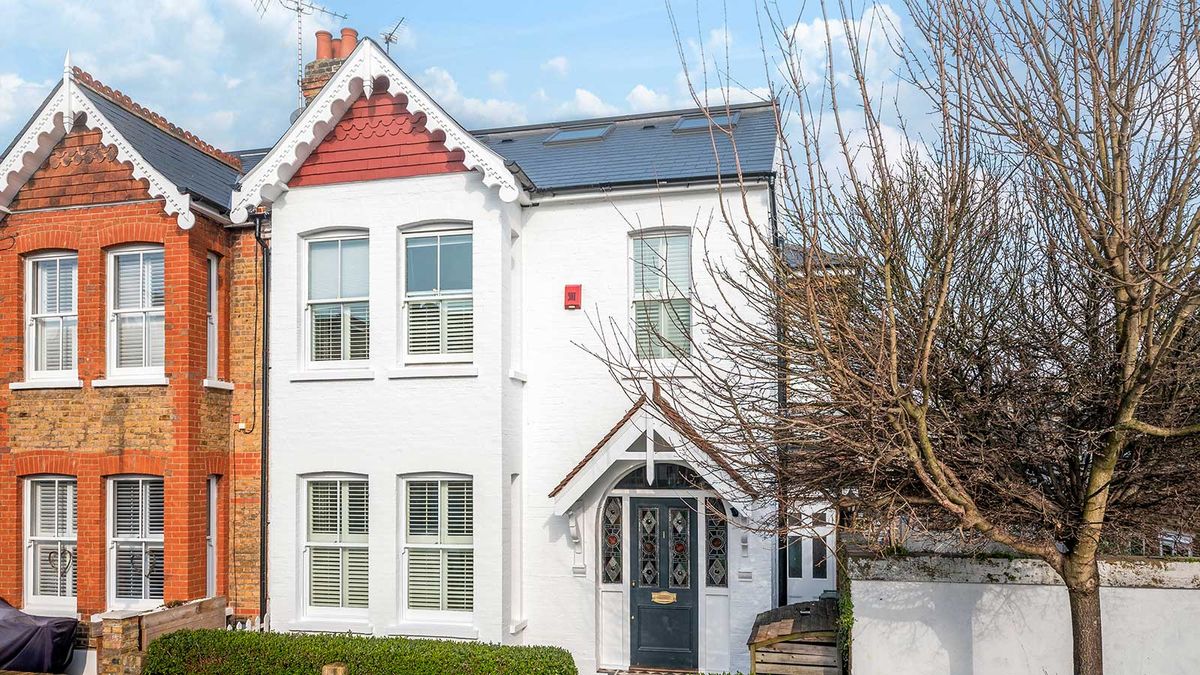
{"x":929,"y":615}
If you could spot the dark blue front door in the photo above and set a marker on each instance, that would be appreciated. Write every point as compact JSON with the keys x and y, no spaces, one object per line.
{"x":663,"y":613}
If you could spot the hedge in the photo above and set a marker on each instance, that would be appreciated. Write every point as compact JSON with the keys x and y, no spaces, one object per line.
{"x":219,"y":652}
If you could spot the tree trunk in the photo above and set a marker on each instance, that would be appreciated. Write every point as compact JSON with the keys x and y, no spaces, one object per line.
{"x":1083,"y":589}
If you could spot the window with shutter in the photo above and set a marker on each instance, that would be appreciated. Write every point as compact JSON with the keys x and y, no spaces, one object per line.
{"x":439,"y":309}
{"x":337,"y":550}
{"x":50,"y":543}
{"x":136,"y":540}
{"x":662,"y":284}
{"x":137,"y":307}
{"x":52,"y":321}
{"x":339,"y":319}
{"x":439,"y":544}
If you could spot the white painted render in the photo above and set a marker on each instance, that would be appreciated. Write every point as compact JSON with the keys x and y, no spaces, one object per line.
{"x":935,"y":616}
{"x":517,"y":419}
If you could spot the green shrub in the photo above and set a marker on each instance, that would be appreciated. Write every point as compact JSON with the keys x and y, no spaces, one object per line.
{"x":218,"y":652}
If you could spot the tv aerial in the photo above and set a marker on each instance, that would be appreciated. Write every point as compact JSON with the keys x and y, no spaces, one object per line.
{"x":300,"y":8}
{"x":390,"y":38}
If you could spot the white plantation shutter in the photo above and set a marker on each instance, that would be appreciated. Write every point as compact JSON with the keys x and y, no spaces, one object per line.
{"x":52,"y":536}
{"x":137,"y":526}
{"x":53,"y":314}
{"x":338,"y":557}
{"x":662,"y":282}
{"x":339,"y":313}
{"x":424,"y":579}
{"x":439,"y":310}
{"x":138,"y":299}
{"x":439,"y":538}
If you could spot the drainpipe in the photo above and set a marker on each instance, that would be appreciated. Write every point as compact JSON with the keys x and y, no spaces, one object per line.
{"x":780,"y":397}
{"x":259,"y":219}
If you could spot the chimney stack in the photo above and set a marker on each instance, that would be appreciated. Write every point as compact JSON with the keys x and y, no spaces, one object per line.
{"x":331,"y":52}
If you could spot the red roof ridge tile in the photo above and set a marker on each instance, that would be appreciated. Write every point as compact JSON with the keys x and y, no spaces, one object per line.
{"x":116,"y":96}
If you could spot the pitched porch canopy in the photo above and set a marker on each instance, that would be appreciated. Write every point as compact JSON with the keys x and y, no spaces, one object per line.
{"x":650,"y":431}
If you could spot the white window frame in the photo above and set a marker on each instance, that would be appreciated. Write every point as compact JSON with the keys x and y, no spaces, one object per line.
{"x":669,"y":293}
{"x":307,"y":303}
{"x":407,"y":545}
{"x":114,"y":371}
{"x":31,"y":346}
{"x":212,"y":339}
{"x":353,"y":614}
{"x":210,"y":538}
{"x":433,"y":230}
{"x":148,"y":541}
{"x":46,"y":604}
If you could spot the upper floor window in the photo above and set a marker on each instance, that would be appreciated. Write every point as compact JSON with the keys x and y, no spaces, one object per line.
{"x":136,"y":541}
{"x":137,"y":308}
{"x":662,"y":282}
{"x":53,"y":317}
{"x":337,"y":551}
{"x":211,"y":320}
{"x":439,"y":545}
{"x":339,"y":318}
{"x":439,"y":310}
{"x":50,"y":542}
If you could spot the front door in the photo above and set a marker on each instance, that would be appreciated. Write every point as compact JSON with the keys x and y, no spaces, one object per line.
{"x":664,"y":614}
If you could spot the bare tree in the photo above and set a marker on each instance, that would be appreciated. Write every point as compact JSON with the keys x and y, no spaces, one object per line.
{"x":988,"y":327}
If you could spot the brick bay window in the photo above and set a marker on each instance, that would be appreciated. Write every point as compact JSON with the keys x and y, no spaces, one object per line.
{"x":662,"y":282}
{"x":336,"y":553}
{"x":135,"y":546}
{"x":52,"y":319}
{"x":337,"y":306}
{"x":439,"y":312}
{"x":50,"y":533}
{"x":439,"y":570}
{"x":137,"y":310}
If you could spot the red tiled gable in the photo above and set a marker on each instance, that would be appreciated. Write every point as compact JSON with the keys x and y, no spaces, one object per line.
{"x":637,"y":405}
{"x":378,"y":138}
{"x":85,"y":79}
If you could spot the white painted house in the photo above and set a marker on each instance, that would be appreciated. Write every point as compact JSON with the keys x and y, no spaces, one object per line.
{"x":445,"y":458}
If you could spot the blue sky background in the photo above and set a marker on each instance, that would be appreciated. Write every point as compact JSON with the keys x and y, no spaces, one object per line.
{"x":219,"y":69}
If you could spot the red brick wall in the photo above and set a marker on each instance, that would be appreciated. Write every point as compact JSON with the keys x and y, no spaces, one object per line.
{"x":184,"y":432}
{"x":378,"y":138}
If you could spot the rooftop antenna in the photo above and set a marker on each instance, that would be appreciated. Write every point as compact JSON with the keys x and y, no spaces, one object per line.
{"x":300,"y":8}
{"x":389,"y":38}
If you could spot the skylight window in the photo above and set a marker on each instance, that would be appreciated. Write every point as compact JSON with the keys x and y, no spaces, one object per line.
{"x":701,"y":123}
{"x":580,"y":134}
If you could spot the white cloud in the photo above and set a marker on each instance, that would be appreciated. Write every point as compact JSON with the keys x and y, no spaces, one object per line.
{"x":498,"y":79}
{"x":540,"y":95}
{"x":586,"y":104}
{"x":719,"y":40}
{"x":18,"y":97}
{"x":642,"y":99}
{"x":557,"y":65}
{"x":470,"y":112}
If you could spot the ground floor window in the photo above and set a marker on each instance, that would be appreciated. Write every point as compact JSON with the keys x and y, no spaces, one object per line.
{"x":336,"y":550}
{"x":136,"y":540}
{"x":50,"y":540}
{"x":439,"y":518}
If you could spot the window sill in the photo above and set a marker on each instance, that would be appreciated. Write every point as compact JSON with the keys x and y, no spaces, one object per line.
{"x":47,"y":384}
{"x":458,"y":631}
{"x":133,"y":381}
{"x":331,"y":625}
{"x":326,"y":375}
{"x":66,"y":610}
{"x":218,"y":384}
{"x":518,"y":376}
{"x":432,"y":370}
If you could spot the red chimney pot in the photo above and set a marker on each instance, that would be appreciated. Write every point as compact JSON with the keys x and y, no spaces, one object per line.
{"x":335,"y":47}
{"x":324,"y":45}
{"x":348,"y":42}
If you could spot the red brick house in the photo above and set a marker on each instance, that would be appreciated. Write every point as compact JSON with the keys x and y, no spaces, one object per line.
{"x":131,"y":322}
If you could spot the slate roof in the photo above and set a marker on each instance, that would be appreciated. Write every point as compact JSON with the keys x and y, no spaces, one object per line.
{"x":642,"y":148}
{"x":188,"y":167}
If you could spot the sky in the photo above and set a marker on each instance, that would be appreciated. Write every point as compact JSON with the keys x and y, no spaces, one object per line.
{"x":227,"y":72}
